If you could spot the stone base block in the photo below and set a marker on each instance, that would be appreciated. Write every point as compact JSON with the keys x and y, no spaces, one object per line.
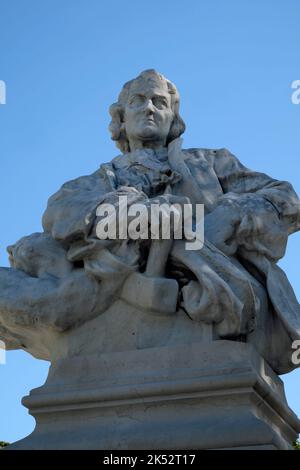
{"x":218,"y":395}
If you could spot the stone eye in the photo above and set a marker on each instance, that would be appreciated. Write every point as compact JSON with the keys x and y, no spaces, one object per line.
{"x":137,"y":100}
{"x":159,"y":102}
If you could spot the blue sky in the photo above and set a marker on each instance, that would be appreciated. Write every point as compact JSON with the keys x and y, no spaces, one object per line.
{"x":64,"y":62}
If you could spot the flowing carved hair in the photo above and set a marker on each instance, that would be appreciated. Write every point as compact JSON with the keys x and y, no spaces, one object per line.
{"x":117,"y":110}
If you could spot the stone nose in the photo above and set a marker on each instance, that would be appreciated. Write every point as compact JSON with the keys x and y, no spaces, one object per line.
{"x":149,"y":106}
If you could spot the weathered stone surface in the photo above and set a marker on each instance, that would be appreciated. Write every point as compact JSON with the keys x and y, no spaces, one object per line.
{"x":151,"y":293}
{"x":197,"y":396}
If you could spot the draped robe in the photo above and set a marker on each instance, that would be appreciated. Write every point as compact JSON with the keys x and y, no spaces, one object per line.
{"x":245,"y":295}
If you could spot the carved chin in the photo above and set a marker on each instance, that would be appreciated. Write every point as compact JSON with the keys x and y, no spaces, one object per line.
{"x":149,"y":132}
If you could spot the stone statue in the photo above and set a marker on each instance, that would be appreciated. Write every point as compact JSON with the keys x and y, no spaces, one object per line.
{"x":70,"y":294}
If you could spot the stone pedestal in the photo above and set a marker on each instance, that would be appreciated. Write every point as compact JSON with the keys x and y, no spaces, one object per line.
{"x":215,"y":395}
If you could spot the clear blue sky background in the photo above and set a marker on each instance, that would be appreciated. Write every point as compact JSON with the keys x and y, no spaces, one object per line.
{"x":64,"y":62}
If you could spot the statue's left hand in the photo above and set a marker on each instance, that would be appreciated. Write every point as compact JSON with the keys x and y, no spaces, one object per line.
{"x":220,"y":228}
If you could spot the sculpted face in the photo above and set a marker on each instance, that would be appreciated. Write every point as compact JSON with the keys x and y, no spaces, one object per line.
{"x":148,"y":113}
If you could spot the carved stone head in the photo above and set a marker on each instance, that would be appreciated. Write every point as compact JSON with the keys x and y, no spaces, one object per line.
{"x":146,"y":113}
